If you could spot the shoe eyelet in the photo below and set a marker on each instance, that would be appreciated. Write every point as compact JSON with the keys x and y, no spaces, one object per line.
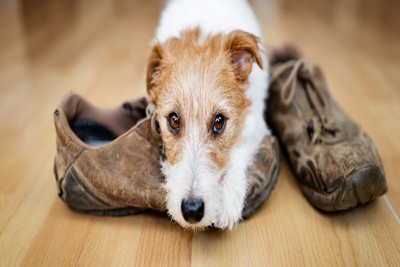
{"x":310,"y":130}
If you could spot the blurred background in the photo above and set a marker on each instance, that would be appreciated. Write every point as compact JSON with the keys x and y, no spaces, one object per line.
{"x":99,"y":48}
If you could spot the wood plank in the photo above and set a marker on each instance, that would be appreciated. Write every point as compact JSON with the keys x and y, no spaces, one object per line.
{"x":289,"y":231}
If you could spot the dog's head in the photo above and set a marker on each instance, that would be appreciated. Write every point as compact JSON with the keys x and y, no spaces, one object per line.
{"x":198,"y":84}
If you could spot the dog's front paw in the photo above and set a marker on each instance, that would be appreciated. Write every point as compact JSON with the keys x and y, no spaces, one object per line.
{"x":227,"y":220}
{"x":231,"y":211}
{"x":233,"y":197}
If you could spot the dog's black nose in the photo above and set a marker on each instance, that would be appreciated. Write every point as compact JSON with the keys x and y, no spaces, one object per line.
{"x":192,"y":210}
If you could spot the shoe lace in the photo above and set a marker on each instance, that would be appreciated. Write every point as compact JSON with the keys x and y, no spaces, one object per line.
{"x":320,"y":128}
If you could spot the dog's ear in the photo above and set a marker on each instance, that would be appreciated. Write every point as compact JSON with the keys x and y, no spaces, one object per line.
{"x":242,"y":47}
{"x":153,"y":70}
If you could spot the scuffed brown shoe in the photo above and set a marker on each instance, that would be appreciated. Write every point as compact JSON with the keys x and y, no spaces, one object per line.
{"x":107,"y":161}
{"x":119,"y":177}
{"x":336,"y":163}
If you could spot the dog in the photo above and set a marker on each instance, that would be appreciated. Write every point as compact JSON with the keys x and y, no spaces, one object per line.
{"x":207,"y":74}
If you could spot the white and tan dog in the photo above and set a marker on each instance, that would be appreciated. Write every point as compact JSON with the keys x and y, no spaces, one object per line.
{"x":208,"y":77}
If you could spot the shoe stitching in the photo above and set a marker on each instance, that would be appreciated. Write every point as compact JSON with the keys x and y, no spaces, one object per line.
{"x":70,"y":164}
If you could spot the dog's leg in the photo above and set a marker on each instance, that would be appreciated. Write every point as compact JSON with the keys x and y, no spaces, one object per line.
{"x":234,"y":187}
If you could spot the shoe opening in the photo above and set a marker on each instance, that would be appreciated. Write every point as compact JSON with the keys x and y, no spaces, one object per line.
{"x":91,"y":132}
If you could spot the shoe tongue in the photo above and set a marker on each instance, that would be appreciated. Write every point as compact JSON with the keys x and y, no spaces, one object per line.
{"x":300,"y":75}
{"x":322,"y":128}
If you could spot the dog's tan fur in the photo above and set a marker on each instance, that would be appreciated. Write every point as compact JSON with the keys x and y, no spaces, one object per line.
{"x":198,"y":77}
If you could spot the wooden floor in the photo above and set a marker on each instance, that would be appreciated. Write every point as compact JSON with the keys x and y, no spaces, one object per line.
{"x":99,"y":49}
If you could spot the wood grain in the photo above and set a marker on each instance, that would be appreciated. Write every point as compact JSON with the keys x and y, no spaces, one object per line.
{"x":49,"y":48}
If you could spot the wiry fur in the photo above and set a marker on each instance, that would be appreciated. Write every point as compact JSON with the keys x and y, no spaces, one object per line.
{"x":208,"y":61}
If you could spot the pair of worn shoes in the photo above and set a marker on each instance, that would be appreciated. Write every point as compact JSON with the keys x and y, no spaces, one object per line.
{"x":107,"y":161}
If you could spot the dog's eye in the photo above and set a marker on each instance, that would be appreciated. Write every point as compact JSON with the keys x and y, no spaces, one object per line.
{"x":219,"y":124}
{"x":173,"y":122}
